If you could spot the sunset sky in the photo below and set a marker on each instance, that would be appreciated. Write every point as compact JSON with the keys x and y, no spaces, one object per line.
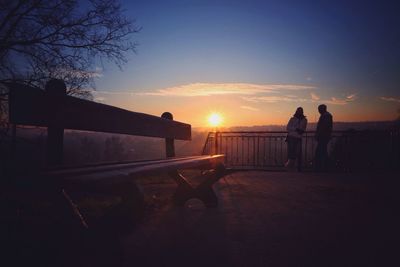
{"x":255,"y":62}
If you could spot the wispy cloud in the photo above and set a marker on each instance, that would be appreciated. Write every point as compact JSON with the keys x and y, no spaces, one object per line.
{"x":96,"y":73}
{"x":314,"y":96}
{"x":294,"y":98}
{"x":275,"y":99}
{"x":208,"y":89}
{"x":249,"y":108}
{"x":99,"y":99}
{"x":342,"y":101}
{"x":113,"y":93}
{"x":250,"y":92}
{"x":351,"y":97}
{"x":390,"y":99}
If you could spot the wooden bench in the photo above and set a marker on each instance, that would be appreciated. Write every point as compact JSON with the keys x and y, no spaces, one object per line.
{"x":53,"y":109}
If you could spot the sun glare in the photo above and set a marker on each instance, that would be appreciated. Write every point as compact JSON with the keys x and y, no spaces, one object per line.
{"x":215,"y":119}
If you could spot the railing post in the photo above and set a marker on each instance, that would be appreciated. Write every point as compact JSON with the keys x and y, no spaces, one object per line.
{"x":56,"y":92}
{"x":169,"y":142}
{"x":216,"y":142}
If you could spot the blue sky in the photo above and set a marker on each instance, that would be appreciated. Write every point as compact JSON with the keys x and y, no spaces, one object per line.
{"x":340,"y":53}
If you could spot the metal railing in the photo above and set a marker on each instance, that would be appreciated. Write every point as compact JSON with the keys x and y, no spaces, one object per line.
{"x":348,"y":150}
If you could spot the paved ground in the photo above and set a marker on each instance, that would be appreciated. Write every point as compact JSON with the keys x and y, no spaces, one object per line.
{"x":274,"y":219}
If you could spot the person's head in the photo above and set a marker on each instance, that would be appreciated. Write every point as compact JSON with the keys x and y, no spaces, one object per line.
{"x":322,"y":109}
{"x":299,"y":112}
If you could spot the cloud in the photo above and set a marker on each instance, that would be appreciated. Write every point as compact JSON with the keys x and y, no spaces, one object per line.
{"x":100,"y":99}
{"x":342,"y":101}
{"x":314,"y":96}
{"x":208,"y":89}
{"x":295,"y":98}
{"x":351,"y":97}
{"x":390,"y":99}
{"x":275,"y":99}
{"x":249,"y":92}
{"x":112,"y":93}
{"x":249,"y":108}
{"x":96,"y":73}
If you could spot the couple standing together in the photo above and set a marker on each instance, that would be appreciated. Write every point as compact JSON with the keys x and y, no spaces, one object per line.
{"x":297,"y":126}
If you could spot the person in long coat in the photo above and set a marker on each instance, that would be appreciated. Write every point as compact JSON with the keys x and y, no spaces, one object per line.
{"x":295,"y":128}
{"x":322,"y":136}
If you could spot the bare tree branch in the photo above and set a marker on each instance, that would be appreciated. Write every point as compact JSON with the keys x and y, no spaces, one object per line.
{"x":43,"y":39}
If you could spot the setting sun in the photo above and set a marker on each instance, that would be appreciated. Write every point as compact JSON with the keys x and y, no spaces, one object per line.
{"x":215,"y":119}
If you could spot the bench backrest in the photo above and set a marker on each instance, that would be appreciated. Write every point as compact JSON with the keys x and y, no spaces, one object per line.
{"x":53,"y":109}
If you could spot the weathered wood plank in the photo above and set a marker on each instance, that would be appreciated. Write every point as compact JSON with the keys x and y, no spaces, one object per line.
{"x":32,"y":106}
{"x":128,"y":170}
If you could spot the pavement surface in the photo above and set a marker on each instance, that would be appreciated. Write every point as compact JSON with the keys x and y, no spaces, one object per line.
{"x":273,"y":219}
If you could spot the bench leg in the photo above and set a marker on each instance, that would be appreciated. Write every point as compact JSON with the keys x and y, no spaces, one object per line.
{"x":206,"y":194}
{"x":184,"y":191}
{"x":203,"y":191}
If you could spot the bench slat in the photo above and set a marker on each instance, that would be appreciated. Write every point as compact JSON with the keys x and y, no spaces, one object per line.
{"x":32,"y":106}
{"x":127,"y":171}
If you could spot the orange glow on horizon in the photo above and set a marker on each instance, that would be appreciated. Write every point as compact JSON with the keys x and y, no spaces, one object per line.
{"x":235,"y":112}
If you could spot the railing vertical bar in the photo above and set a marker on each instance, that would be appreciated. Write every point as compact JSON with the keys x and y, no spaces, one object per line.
{"x":232,"y":151}
{"x":264,"y":154}
{"x":237,"y":150}
{"x":269,"y":150}
{"x":254,"y":152}
{"x":226,"y":150}
{"x":229,"y":145}
{"x":258,"y":150}
{"x":242,"y":154}
{"x":276,"y":152}
{"x":248,"y":151}
{"x":305,"y":150}
{"x":312,"y":150}
{"x":280,"y":151}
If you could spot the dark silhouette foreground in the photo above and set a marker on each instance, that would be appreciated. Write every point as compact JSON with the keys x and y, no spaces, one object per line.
{"x":263,"y":219}
{"x":274,"y":219}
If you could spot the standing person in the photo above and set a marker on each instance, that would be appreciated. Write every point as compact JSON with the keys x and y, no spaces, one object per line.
{"x":323,"y":135}
{"x":295,"y":127}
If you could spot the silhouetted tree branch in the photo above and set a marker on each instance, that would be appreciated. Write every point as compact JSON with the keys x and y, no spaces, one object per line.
{"x":65,"y":39}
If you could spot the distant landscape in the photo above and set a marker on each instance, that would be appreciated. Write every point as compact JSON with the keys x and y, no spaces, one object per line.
{"x":91,"y":147}
{"x":311,"y":126}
